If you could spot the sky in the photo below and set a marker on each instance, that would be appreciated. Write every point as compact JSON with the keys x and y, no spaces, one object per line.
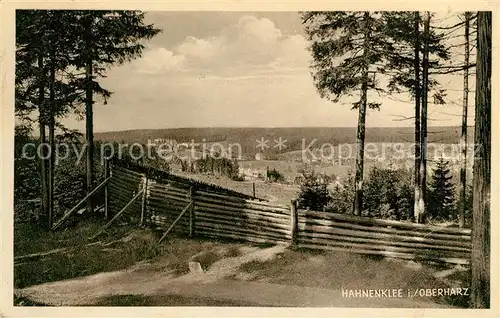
{"x":236,"y":69}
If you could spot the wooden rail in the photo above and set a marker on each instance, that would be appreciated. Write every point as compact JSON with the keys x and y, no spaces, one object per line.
{"x":331,"y":231}
{"x":118,"y":214}
{"x":73,"y":209}
{"x":175,"y":222}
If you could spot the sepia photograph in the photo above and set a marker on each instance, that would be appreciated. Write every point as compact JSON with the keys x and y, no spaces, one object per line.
{"x":304,"y":159}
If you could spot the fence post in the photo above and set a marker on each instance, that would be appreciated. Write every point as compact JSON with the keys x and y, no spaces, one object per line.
{"x":106,"y":175}
{"x":293,"y":221}
{"x":253,"y":187}
{"x":144,"y":196}
{"x":191,"y":212}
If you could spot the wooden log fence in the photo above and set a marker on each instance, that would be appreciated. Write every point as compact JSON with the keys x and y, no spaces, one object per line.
{"x":175,"y":222}
{"x":107,"y":174}
{"x":73,"y":209}
{"x":144,"y":195}
{"x":117,"y":214}
{"x":182,"y":208}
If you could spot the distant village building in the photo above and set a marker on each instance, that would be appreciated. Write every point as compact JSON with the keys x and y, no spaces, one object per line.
{"x":251,"y":173}
{"x":163,"y":141}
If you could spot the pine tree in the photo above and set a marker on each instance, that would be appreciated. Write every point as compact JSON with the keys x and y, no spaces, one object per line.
{"x":404,"y":50}
{"x":422,"y":203}
{"x":462,"y":191}
{"x":348,"y":48}
{"x":418,"y":189}
{"x":41,"y":54}
{"x":481,"y":231}
{"x":441,"y":195}
{"x":406,"y":70}
{"x":102,"y":39}
{"x":314,"y":193}
{"x":52,"y":49}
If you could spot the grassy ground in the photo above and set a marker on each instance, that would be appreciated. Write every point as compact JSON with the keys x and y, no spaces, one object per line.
{"x":352,"y":271}
{"x":118,"y":248}
{"x":146,"y":300}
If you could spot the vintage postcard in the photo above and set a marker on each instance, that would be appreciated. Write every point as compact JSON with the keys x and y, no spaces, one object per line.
{"x":249,"y":159}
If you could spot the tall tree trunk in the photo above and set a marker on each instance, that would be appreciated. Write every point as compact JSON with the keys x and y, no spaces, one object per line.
{"x":89,"y":121}
{"x":463,"y":139}
{"x":360,"y":136}
{"x":423,"y":132}
{"x":480,"y":257}
{"x":43,"y":139}
{"x":51,"y":120}
{"x":418,"y":189}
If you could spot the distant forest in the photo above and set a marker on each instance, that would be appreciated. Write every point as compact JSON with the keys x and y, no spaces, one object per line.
{"x":247,"y":137}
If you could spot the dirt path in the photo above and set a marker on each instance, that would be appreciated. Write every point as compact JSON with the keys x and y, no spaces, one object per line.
{"x":144,"y":280}
{"x":89,"y":290}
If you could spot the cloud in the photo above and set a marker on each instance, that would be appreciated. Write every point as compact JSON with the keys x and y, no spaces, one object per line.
{"x":194,"y":48}
{"x":251,"y":41}
{"x":252,"y":44}
{"x":292,"y":52}
{"x":249,"y":73}
{"x":158,"y":60}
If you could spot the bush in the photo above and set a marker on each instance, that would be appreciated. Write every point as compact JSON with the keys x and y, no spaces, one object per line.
{"x":342,"y":196}
{"x":274,"y":175}
{"x":388,"y":194}
{"x":314,"y":193}
{"x":238,"y":178}
{"x":69,"y":179}
{"x":217,"y":166}
{"x":26,"y":178}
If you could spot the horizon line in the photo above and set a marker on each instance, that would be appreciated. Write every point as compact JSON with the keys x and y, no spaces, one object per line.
{"x":268,"y":127}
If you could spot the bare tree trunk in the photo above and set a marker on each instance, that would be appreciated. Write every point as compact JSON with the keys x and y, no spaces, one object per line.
{"x":418,"y":189}
{"x":463,"y":140}
{"x":89,"y":121}
{"x":480,"y":256}
{"x":51,"y":119}
{"x":360,"y":136}
{"x":423,"y":132}
{"x":43,"y":139}
{"x":360,"y":144}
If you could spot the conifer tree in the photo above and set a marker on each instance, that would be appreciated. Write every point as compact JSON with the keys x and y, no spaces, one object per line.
{"x":347,"y":49}
{"x":52,"y":49}
{"x":314,"y":193}
{"x":42,"y":53}
{"x":481,"y":231}
{"x":102,"y":39}
{"x":407,"y":71}
{"x":462,"y":190}
{"x":422,"y":203}
{"x":441,"y":195}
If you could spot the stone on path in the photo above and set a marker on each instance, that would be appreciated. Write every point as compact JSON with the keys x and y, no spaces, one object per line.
{"x":195,"y":268}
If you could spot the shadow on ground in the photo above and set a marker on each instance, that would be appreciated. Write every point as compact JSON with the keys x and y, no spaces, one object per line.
{"x":168,"y":300}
